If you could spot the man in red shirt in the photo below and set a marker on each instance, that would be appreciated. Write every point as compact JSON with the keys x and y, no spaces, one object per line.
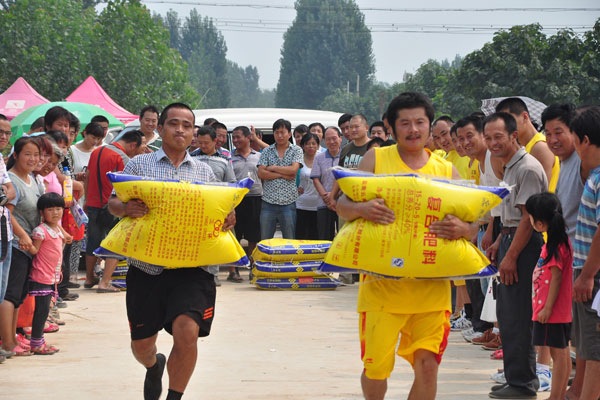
{"x":109,"y":158}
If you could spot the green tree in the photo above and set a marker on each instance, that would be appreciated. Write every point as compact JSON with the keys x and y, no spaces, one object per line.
{"x":590,"y":65}
{"x":47,"y":42}
{"x":243,"y":85}
{"x":149,"y":72}
{"x":327,"y":46}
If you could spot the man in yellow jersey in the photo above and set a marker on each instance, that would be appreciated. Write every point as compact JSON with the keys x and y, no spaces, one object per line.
{"x":534,"y":141}
{"x":440,"y":131}
{"x":467,"y":166}
{"x":418,"y":310}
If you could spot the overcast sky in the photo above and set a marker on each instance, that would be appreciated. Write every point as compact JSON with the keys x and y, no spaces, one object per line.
{"x":394,"y":52}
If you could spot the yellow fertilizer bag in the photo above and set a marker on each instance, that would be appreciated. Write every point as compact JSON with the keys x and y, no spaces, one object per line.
{"x":288,"y":250}
{"x":306,"y":283}
{"x":406,"y":248}
{"x":291,"y":269}
{"x":183,"y":225}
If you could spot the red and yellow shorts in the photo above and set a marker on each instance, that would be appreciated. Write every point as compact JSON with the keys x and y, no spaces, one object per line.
{"x":379,"y":333}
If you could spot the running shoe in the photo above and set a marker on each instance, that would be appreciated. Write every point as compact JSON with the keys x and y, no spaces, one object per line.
{"x":545,"y":378}
{"x":498,"y":377}
{"x":460,"y":324}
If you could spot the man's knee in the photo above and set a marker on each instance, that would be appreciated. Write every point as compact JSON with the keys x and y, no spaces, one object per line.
{"x":142,"y":347}
{"x":426,"y":364}
{"x":185,"y":331}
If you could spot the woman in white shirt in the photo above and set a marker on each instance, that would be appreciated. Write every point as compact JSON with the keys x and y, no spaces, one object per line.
{"x":306,"y":205}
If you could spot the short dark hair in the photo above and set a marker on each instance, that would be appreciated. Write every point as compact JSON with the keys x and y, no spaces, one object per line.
{"x":150,"y":108}
{"x":54,"y":114}
{"x":94,"y":129}
{"x":3,"y":117}
{"x":57,"y":136}
{"x":361,"y":117}
{"x":301,"y":128}
{"x":374,"y":141}
{"x":307,"y":137}
{"x":344,"y":118}
{"x":453,"y":129}
{"x":586,"y":122}
{"x":132,"y":137}
{"x":282,"y":123}
{"x":207,"y":130}
{"x":74,"y":122}
{"x":165,"y":112}
{"x":409,"y":100}
{"x":315,"y":124}
{"x":99,"y":118}
{"x":473,"y":119}
{"x":563,"y":112}
{"x":37,"y":124}
{"x":335,"y":128}
{"x":514,"y":105}
{"x":384,"y":116}
{"x":209,"y":121}
{"x":510,"y":123}
{"x":244,"y":129}
{"x":219,"y":125}
{"x":446,"y":118}
{"x":49,"y":200}
{"x":376,"y":124}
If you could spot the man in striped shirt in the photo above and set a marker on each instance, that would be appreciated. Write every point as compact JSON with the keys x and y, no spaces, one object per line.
{"x":586,"y":250}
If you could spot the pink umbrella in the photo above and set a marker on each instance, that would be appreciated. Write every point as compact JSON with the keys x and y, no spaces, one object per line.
{"x":91,"y":92}
{"x":19,"y":97}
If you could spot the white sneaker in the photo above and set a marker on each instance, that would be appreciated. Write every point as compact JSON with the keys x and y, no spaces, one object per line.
{"x":469,"y":338}
{"x":468,"y":331}
{"x":499,"y":377}
{"x":460,"y":324}
{"x":545,"y":378}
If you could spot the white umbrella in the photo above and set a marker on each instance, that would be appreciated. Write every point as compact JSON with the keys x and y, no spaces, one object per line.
{"x":488,"y":106}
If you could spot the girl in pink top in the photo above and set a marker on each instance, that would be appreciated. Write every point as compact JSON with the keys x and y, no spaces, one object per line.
{"x":48,"y":239}
{"x":552,"y":288}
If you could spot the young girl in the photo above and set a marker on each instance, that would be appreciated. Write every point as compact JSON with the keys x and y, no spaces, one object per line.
{"x":47,"y":246}
{"x":552,"y":288}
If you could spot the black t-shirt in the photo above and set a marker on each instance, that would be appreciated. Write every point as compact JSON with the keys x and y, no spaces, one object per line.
{"x":351,"y":155}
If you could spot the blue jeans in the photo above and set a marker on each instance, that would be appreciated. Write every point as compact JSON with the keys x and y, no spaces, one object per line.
{"x":270,"y":214}
{"x":4,"y":269}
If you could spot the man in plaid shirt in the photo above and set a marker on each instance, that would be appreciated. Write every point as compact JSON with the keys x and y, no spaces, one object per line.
{"x":179,"y":300}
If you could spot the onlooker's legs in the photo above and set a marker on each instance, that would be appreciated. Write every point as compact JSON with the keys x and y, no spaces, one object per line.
{"x":477,"y":298}
{"x":287,"y":221}
{"x":63,"y":290}
{"x":326,"y":221}
{"x":268,"y":220}
{"x":4,"y":271}
{"x":105,"y":285}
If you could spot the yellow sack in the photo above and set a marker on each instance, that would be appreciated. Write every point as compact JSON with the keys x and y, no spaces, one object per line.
{"x":183,"y":225}
{"x":291,"y":269}
{"x":288,"y":250}
{"x":307,"y":283}
{"x":406,"y":248}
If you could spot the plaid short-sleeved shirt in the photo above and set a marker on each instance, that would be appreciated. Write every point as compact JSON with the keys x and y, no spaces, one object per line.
{"x":587,"y":219}
{"x":158,"y":166}
{"x":280,"y":191}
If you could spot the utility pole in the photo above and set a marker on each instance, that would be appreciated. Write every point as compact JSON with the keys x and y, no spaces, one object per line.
{"x":357,"y":85}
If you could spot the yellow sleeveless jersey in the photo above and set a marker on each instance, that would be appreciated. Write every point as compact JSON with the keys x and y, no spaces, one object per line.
{"x":539,"y":137}
{"x":405,"y":296}
{"x":463,"y":166}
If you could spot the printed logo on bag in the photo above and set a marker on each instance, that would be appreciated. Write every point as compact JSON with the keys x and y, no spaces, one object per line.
{"x":397,"y":262}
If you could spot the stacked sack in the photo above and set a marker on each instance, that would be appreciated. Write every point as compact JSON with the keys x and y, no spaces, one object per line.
{"x":291,"y":264}
{"x":118,"y":278}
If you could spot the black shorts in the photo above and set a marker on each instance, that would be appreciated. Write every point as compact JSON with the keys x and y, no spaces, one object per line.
{"x":154,"y":301}
{"x":18,"y":278}
{"x":551,"y":335}
{"x":96,"y":230}
{"x":247,"y":216}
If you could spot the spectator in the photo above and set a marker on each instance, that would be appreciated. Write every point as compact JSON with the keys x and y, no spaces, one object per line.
{"x":74,"y":127}
{"x":516,"y":252}
{"x":344,"y":125}
{"x":221,"y":131}
{"x":148,"y":120}
{"x":93,"y":134}
{"x":102,"y":121}
{"x":375,"y":142}
{"x":109,"y":158}
{"x":194,"y":146}
{"x":277,"y":167}
{"x":378,"y":129}
{"x":245,"y":165}
{"x":354,"y":151}
{"x":306,"y":205}
{"x":317,"y":128}
{"x":9,"y":192}
{"x":322,"y":177}
{"x":37,"y":126}
{"x":300,"y":131}
{"x":57,"y":118}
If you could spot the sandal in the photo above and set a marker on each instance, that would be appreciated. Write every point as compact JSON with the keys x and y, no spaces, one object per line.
{"x":20,"y":351}
{"x":50,"y":328}
{"x":23,"y":342}
{"x":110,"y":289}
{"x":44,"y":350}
{"x":92,"y":284}
{"x":55,"y":321}
{"x":497,"y":355}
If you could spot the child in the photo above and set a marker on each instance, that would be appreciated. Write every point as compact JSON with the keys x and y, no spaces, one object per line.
{"x":552,"y":288}
{"x":47,"y":247}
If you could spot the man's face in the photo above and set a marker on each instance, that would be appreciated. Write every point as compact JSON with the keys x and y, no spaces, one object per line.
{"x":461,"y":152}
{"x":498,"y":141}
{"x":282,"y":135}
{"x":521,"y":118}
{"x":345,"y":128}
{"x":441,"y":135}
{"x":5,"y":133}
{"x":470,"y":140}
{"x":221,"y":137}
{"x":104,"y":126}
{"x":91,"y":140}
{"x":194,"y":144}
{"x":332,"y":141}
{"x":240,"y":141}
{"x":178,"y":129}
{"x":61,"y":124}
{"x":358,"y":129}
{"x":148,"y":122}
{"x":378,"y":131}
{"x":317,"y":131}
{"x":412,"y":128}
{"x":559,"y":138}
{"x":207,"y":144}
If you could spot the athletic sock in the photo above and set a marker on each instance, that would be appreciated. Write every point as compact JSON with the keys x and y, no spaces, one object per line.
{"x":173,"y":395}
{"x":153,"y":381}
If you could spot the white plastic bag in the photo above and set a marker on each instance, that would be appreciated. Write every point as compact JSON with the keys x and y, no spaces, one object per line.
{"x":488,"y":312}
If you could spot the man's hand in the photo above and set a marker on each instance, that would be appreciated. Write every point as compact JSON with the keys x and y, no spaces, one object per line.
{"x":136,"y":208}
{"x":300,"y":190}
{"x":492,"y":251}
{"x":508,"y":270}
{"x":544,"y":315}
{"x":25,"y":242}
{"x":229,"y":222}
{"x":376,"y":211}
{"x":583,"y":288}
{"x":486,"y":240}
{"x":453,"y":228}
